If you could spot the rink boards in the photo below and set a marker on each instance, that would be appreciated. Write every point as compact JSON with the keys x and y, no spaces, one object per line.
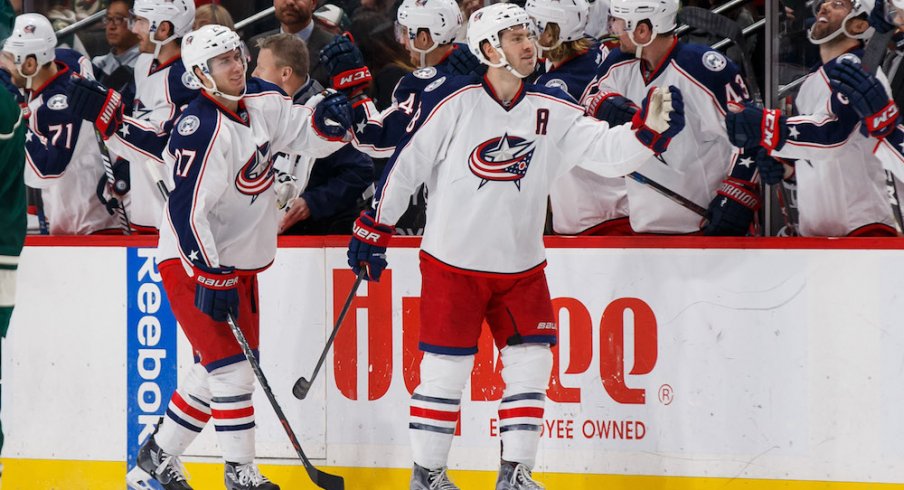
{"x":683,"y":363}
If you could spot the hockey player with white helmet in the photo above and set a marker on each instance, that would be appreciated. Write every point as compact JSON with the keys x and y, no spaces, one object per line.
{"x":163,"y":88}
{"x":62,"y":156}
{"x":840,"y":182}
{"x":218,"y":233}
{"x":702,"y":166}
{"x":582,"y":202}
{"x":488,"y":148}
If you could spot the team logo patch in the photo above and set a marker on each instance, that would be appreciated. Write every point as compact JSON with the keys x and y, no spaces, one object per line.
{"x":434,"y":84}
{"x":425,"y":73}
{"x":557,"y":83}
{"x":190,"y":81}
{"x":714,"y":61}
{"x":853,"y":58}
{"x":58,"y":102}
{"x":502,"y":159}
{"x":188,"y":125}
{"x":29,"y":29}
{"x":257,"y":174}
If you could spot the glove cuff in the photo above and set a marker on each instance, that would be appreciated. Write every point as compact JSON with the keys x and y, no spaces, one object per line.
{"x":111,"y":114}
{"x":353,"y":78}
{"x":883,"y":121}
{"x":771,"y":128}
{"x":740,"y":191}
{"x":369,"y":231}
{"x":216,"y":278}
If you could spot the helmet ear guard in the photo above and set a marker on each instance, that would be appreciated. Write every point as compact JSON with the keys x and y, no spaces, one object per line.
{"x":487,"y":24}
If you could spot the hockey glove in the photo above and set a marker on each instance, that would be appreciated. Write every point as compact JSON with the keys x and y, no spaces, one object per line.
{"x":216,"y":291}
{"x":731,"y":212}
{"x":867,"y":95}
{"x":345,"y":64}
{"x":611,"y":107}
{"x":333,"y":116}
{"x":659,"y":119}
{"x":6,"y":81}
{"x":286,"y":186}
{"x":463,"y":62}
{"x":749,"y":126}
{"x":878,"y":18}
{"x":773,"y":170}
{"x":367,"y":248}
{"x":96,"y":103}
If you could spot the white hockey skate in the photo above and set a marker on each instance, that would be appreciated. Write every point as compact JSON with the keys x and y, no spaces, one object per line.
{"x":424,"y":479}
{"x":154,"y":464}
{"x":247,"y":477}
{"x":516,"y":476}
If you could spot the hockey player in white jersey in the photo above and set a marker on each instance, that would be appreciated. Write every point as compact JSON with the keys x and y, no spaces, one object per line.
{"x":162,"y":89}
{"x":488,"y":148}
{"x":840,"y":182}
{"x":63,"y":159}
{"x":582,"y":202}
{"x":702,"y":165}
{"x":218,"y":233}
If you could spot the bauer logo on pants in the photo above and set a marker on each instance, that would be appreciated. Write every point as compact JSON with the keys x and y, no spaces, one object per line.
{"x":151,"y":349}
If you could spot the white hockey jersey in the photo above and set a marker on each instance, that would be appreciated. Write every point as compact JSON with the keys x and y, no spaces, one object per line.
{"x":62,"y":156}
{"x":840,"y":182}
{"x":699,"y":157}
{"x":890,"y":151}
{"x":161,"y":92}
{"x":488,"y":169}
{"x":222,"y":211}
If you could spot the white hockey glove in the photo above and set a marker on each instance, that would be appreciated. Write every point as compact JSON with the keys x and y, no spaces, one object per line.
{"x":660,"y":118}
{"x":286,"y":187}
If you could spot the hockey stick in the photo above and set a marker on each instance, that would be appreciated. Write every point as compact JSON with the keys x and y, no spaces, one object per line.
{"x":116,"y":204}
{"x":669,"y":193}
{"x":302,"y":386}
{"x":321,"y":479}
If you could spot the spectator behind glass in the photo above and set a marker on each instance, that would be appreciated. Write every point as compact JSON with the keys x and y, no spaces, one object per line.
{"x":296,"y":17}
{"x":387,"y":60}
{"x":116,"y":68}
{"x":332,"y":196}
{"x":212,"y":13}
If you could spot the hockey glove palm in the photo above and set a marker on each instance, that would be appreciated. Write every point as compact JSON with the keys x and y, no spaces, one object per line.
{"x":611,"y":107}
{"x":749,"y":126}
{"x":367,"y":248}
{"x":731,"y":212}
{"x":463,"y":62}
{"x":216,"y":291}
{"x":660,"y":118}
{"x":345,"y":63}
{"x":867,"y":95}
{"x":333,"y":115}
{"x":96,"y":103}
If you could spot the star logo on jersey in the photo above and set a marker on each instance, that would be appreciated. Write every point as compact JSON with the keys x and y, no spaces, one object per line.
{"x":502,"y":159}
{"x":745,"y":162}
{"x":28,"y":136}
{"x":193,"y":256}
{"x":124,"y":130}
{"x":793,"y":132}
{"x":256,"y":175}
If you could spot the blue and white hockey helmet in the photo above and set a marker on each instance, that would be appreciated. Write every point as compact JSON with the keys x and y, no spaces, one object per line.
{"x":570,"y":15}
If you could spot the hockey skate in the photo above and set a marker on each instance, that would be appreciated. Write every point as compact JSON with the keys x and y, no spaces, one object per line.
{"x":247,"y":477}
{"x":516,"y":476}
{"x":154,"y":464}
{"x":424,"y":479}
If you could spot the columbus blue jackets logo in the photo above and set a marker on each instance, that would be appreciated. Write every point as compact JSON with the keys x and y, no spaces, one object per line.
{"x":58,"y":102}
{"x":502,"y":159}
{"x":256,"y":175}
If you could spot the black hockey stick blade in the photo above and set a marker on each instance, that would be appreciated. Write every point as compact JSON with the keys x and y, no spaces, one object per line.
{"x":325,"y":480}
{"x":301,"y":388}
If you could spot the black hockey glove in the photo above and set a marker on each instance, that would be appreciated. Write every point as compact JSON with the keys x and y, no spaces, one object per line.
{"x":773,"y":170}
{"x":749,"y":126}
{"x":867,"y":95}
{"x":345,"y":64}
{"x":878,"y":18}
{"x":367,"y":248}
{"x":731,"y":212}
{"x":216,"y":291}
{"x":611,"y":107}
{"x":463,"y":62}
{"x":333,"y":116}
{"x":660,"y":118}
{"x":97,"y":104}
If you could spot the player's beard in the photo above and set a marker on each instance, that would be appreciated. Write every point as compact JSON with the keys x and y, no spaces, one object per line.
{"x":821,"y":30}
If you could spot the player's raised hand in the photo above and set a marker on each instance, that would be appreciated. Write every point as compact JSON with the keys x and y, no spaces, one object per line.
{"x":611,"y":107}
{"x":867,"y":95}
{"x":345,"y":63}
{"x":660,"y":118}
{"x":333,"y":115}
{"x":96,"y":103}
{"x":367,"y":248}
{"x":463,"y":62}
{"x":750,"y":126}
{"x":216,"y":291}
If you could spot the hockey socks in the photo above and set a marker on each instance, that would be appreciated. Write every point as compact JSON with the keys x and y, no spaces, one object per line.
{"x":526,"y":369}
{"x":187,"y":413}
{"x":232,"y":412}
{"x":436,"y":407}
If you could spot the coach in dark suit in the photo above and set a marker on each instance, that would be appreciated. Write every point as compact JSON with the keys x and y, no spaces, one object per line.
{"x":296,"y":17}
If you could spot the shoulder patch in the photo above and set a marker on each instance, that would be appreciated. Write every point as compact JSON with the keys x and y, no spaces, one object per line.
{"x":853,"y":58}
{"x":425,"y":73}
{"x":557,"y":83}
{"x":434,"y":84}
{"x":188,"y":125}
{"x":714,"y":61}
{"x":58,"y":102}
{"x":190,"y":81}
